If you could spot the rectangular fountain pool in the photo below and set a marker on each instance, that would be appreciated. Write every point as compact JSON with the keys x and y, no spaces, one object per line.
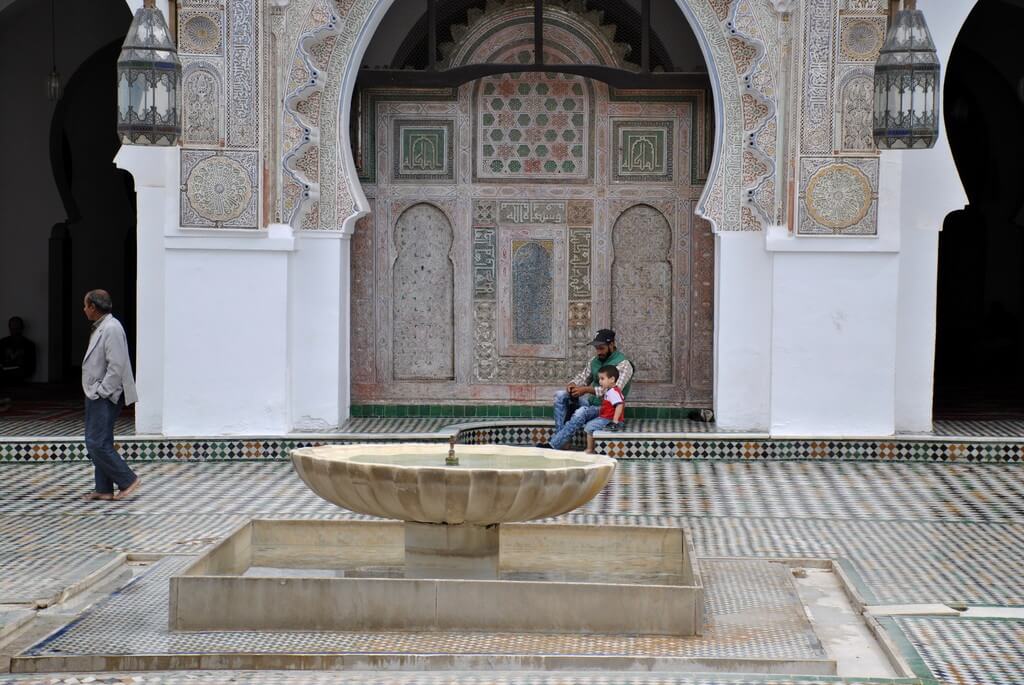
{"x":348,"y":575}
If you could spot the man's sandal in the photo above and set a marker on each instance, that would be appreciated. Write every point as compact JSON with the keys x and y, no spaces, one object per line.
{"x":98,"y":496}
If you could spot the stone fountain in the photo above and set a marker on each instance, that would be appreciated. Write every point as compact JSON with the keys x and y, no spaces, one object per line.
{"x":452,"y":508}
{"x":451,"y":550}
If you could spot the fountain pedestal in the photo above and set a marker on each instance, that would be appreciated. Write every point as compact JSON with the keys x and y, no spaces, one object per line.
{"x":437,"y":550}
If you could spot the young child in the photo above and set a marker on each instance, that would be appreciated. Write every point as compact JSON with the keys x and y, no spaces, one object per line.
{"x":613,"y":406}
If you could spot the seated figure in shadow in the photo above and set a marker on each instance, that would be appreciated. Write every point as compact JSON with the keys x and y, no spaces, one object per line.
{"x":17,"y":357}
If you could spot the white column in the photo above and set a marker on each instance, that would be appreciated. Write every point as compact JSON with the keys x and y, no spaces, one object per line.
{"x":743,"y":320}
{"x":319,"y":328}
{"x":155,"y":170}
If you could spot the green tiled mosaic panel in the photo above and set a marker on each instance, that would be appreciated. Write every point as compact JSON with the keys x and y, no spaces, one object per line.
{"x":425,"y":150}
{"x":642,"y":151}
{"x":533,"y":126}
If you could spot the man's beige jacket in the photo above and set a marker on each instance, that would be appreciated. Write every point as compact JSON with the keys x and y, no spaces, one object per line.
{"x":106,"y":368}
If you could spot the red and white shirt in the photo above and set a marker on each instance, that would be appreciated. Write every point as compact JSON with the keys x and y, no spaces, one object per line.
{"x":612,"y":398}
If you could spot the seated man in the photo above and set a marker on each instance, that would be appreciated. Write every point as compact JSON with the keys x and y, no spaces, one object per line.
{"x":17,"y":355}
{"x":580,"y":402}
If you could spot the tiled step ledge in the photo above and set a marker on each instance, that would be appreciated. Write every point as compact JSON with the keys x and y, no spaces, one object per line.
{"x":700,"y":446}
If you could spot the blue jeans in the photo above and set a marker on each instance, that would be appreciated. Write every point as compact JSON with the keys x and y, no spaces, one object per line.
{"x":570,"y":416}
{"x":110,"y":468}
{"x":597,"y":424}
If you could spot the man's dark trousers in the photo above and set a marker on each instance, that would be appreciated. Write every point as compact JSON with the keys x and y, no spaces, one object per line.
{"x":100,"y":415}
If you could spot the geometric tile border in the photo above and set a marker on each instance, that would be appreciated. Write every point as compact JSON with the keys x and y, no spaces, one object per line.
{"x":641,"y":447}
{"x":902,"y":450}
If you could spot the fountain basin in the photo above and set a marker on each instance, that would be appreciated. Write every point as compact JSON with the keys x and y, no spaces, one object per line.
{"x":350,"y":576}
{"x":452,"y":511}
{"x":491,"y":484}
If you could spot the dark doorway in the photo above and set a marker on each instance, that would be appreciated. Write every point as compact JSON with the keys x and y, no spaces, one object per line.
{"x":979,"y":372}
{"x":95,"y":248}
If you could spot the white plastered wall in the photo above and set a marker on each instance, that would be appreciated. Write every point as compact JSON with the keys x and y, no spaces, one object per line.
{"x":214,"y":340}
{"x":853,"y":319}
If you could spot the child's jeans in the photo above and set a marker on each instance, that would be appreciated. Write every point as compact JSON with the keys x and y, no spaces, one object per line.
{"x":598,"y":424}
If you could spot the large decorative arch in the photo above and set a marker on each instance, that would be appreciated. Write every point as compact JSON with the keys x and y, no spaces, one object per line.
{"x":320,"y":187}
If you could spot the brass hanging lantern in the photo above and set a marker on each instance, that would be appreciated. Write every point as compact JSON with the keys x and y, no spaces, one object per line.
{"x":148,"y":82}
{"x":907,"y":82}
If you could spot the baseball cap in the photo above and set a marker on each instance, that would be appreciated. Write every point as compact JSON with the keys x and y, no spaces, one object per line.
{"x":605,"y":336}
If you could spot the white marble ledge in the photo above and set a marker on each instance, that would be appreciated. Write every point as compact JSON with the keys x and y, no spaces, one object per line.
{"x":779,"y":239}
{"x":277,"y":238}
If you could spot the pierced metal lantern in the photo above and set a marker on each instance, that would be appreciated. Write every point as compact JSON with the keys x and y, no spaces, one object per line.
{"x":907,"y":85}
{"x":148,"y":82}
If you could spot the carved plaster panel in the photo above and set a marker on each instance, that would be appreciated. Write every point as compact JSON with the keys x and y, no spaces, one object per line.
{"x":818,"y":66}
{"x":219,"y":189}
{"x":855,"y":95}
{"x":423,"y":323}
{"x":363,"y":318}
{"x":201,"y":31}
{"x":861,"y":37}
{"x":202,"y":101}
{"x":642,"y":291}
{"x":839,"y":196}
{"x":532,"y":298}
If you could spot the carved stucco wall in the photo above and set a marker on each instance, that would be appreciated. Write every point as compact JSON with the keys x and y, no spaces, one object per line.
{"x":838,"y":166}
{"x":222,"y":50}
{"x":534,"y":171}
{"x":738,"y":36}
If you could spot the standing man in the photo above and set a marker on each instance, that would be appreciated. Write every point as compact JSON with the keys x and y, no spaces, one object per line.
{"x":108,"y":385}
{"x":580,"y":402}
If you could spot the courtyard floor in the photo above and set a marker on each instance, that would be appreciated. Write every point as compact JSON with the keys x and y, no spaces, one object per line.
{"x":913,"y":533}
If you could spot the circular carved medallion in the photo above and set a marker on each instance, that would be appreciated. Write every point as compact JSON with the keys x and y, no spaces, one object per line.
{"x":219,"y":189}
{"x":838,"y":196}
{"x":201,"y":34}
{"x":861,"y":40}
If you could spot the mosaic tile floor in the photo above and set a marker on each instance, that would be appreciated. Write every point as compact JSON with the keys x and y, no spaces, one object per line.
{"x":134,"y":621}
{"x":913,"y":533}
{"x":969,"y":651}
{"x":980,"y":429}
